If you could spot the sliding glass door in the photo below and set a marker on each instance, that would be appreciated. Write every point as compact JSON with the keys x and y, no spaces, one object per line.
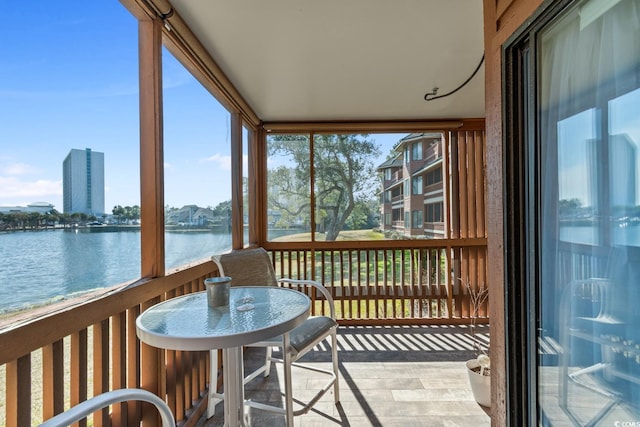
{"x":574,"y":123}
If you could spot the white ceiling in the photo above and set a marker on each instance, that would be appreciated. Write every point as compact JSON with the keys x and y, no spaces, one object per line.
{"x":345,"y":59}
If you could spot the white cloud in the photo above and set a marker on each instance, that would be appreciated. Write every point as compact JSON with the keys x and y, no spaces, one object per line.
{"x":223,"y":161}
{"x":573,"y":183}
{"x":16,"y":169}
{"x":12,"y":188}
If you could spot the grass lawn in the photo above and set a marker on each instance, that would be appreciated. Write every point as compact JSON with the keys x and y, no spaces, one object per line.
{"x":348,"y":235}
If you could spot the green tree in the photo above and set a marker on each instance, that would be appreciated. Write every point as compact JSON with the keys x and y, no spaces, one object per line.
{"x":343,"y":171}
{"x":34,"y":219}
{"x":222,"y":214}
{"x":364,"y":216}
{"x":52,"y":218}
{"x":223,"y":209}
{"x":135,"y":212}
{"x":569,"y":204}
{"x":22,"y":219}
{"x":131,"y":213}
{"x":569,"y":207}
{"x":118,"y":213}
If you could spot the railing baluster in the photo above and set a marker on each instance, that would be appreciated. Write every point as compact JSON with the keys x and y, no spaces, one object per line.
{"x":195,"y":377}
{"x":178,"y":366}
{"x":18,"y":392}
{"x":357,"y":288}
{"x":53,"y":379}
{"x":187,"y":360}
{"x":133,"y":363}
{"x":118,"y":364}
{"x":101,"y":368}
{"x":202,"y":373}
{"x":172,"y":381}
{"x":339,"y":281}
{"x":78,"y":375}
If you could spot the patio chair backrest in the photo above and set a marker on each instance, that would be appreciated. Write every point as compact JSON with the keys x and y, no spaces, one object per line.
{"x":247,"y":267}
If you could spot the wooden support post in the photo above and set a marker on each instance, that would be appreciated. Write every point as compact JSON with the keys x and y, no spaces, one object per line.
{"x":151,"y":149}
{"x":237,"y":216}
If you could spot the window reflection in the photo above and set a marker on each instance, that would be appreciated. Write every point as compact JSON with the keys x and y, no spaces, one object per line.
{"x":587,"y":342}
{"x":577,"y":172}
{"x":197,"y":168}
{"x":624,"y":134}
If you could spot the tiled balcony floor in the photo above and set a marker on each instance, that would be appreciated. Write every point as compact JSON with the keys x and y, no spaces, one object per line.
{"x":389,"y":376}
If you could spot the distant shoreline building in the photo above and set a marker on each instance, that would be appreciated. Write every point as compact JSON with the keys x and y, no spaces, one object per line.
{"x":40,"y":207}
{"x":83,"y":182}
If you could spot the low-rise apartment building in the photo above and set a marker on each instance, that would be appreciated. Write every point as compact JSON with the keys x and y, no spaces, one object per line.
{"x":412,"y":197}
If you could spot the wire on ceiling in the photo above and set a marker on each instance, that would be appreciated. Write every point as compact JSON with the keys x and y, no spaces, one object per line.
{"x":434,"y":92}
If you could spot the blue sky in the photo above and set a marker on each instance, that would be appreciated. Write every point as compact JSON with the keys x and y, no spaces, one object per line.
{"x":69,"y":79}
{"x":573,"y":148}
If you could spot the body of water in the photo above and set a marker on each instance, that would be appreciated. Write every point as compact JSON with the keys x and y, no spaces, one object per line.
{"x":628,"y":235}
{"x":39,"y":267}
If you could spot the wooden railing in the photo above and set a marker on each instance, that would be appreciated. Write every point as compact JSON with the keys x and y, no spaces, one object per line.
{"x":81,"y":348}
{"x":66,"y":353}
{"x":433,"y":188}
{"x":398,"y":224}
{"x":434,"y":226}
{"x":581,"y":261}
{"x":411,"y":282}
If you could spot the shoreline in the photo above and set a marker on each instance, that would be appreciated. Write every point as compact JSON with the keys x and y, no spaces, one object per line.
{"x":19,"y":316}
{"x":110,"y":228}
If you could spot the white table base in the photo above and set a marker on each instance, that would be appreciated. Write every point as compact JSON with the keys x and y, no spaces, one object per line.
{"x":233,"y":377}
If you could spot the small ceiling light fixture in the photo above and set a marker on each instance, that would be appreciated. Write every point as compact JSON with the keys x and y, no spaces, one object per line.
{"x":434,"y":92}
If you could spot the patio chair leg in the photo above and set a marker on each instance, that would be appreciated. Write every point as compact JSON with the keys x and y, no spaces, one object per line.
{"x":267,"y":363}
{"x":334,"y":356}
{"x":288,"y":387}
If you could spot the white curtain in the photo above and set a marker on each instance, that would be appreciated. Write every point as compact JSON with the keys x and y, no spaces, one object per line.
{"x":589,"y":140}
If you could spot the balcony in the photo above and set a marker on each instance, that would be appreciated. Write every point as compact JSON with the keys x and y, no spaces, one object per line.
{"x":397,"y":299}
{"x":356,"y":67}
{"x":400,"y":299}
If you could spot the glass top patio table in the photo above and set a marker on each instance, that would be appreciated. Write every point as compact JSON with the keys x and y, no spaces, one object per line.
{"x":254,"y":313}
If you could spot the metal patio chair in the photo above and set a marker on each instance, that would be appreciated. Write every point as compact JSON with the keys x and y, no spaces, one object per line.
{"x":253,"y":267}
{"x":598,"y":319}
{"x":83,"y":409}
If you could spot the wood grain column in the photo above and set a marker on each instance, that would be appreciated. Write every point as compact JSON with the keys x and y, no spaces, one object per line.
{"x":501,"y":19}
{"x":252,"y":187}
{"x":237,"y":215}
{"x":259,"y":156}
{"x":151,"y":149}
{"x":151,"y":192}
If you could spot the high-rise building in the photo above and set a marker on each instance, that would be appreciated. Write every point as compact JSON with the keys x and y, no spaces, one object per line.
{"x":83,"y":182}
